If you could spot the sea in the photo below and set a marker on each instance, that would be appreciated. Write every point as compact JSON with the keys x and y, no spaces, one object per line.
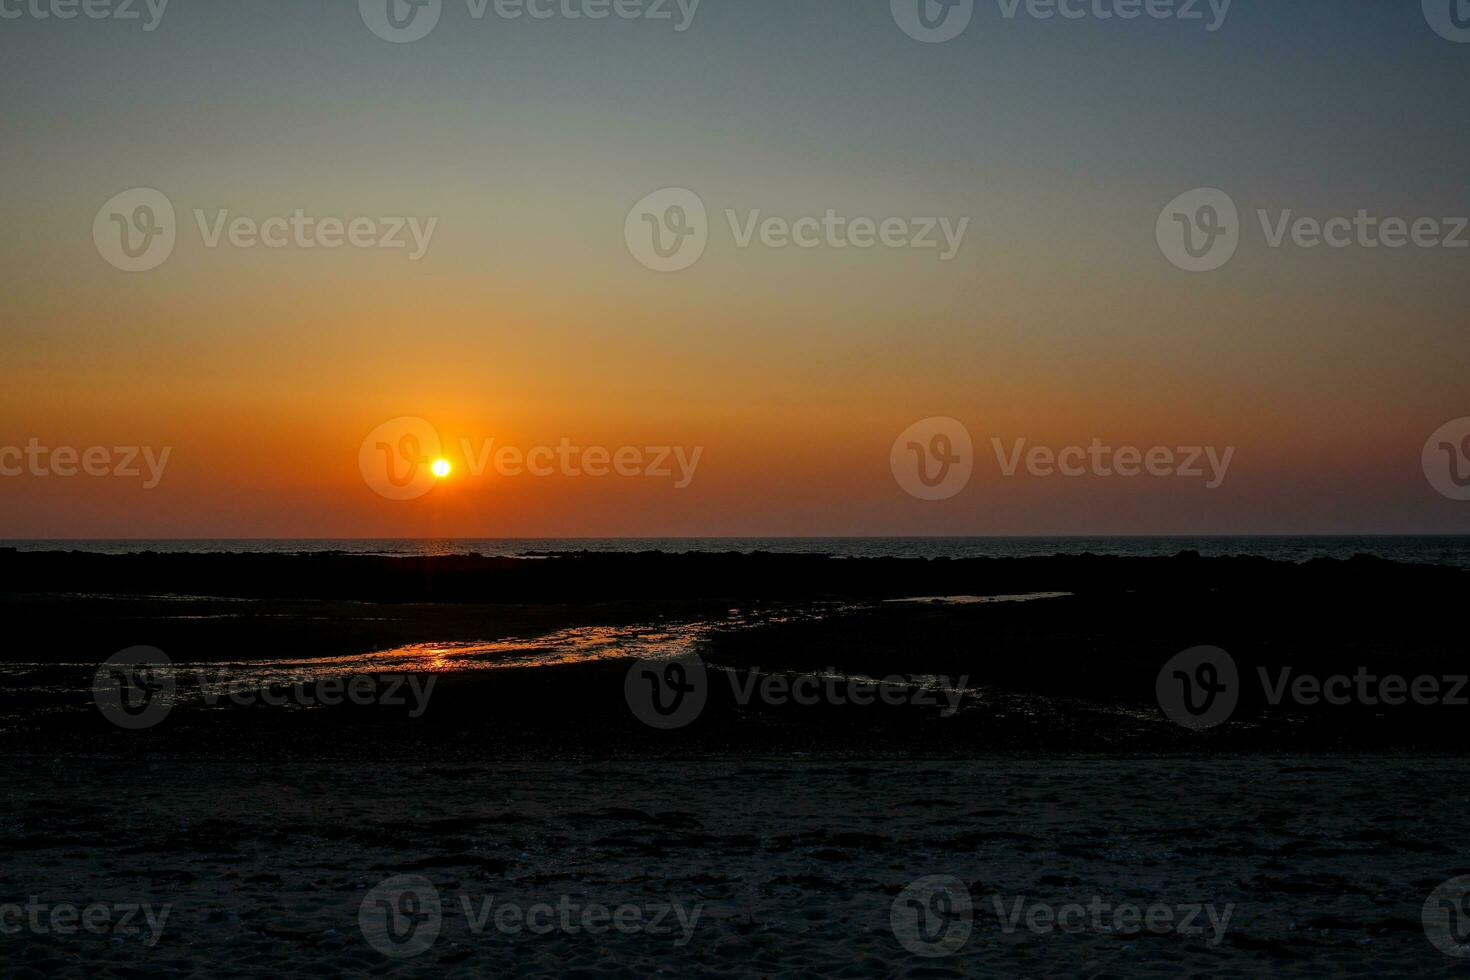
{"x":1429,"y":549}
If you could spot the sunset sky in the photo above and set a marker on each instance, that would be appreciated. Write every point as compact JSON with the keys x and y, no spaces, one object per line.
{"x":528,"y":320}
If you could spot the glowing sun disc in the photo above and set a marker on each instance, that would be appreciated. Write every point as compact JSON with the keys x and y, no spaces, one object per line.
{"x":441,"y":468}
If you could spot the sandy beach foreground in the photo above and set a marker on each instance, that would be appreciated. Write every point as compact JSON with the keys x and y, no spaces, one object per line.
{"x":505,"y":798}
{"x":764,"y":867}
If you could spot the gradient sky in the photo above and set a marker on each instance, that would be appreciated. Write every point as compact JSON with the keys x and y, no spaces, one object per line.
{"x":528,"y":320}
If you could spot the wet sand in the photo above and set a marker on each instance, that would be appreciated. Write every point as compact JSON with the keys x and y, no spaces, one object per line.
{"x":794,"y":864}
{"x":531,"y":778}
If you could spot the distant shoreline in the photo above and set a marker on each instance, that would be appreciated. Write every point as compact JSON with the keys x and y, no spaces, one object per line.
{"x":1440,"y":549}
{"x":590,"y":577}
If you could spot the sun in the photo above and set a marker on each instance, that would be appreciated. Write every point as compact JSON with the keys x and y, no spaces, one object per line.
{"x":441,"y":468}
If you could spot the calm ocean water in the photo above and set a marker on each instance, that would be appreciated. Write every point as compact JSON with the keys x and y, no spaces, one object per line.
{"x":1442,"y":550}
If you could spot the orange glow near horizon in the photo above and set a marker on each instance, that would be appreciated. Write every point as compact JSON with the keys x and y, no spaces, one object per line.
{"x":529,"y":320}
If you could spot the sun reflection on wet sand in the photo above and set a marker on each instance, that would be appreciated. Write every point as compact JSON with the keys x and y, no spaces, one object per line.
{"x":581,"y":644}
